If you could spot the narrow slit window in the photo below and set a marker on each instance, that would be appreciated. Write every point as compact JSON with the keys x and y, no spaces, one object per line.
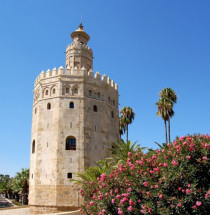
{"x":112,"y":114}
{"x":95,"y":109}
{"x":67,"y":90}
{"x":98,"y":95}
{"x":53,"y":91}
{"x":46,"y":92}
{"x":33,"y":146}
{"x":48,"y":106}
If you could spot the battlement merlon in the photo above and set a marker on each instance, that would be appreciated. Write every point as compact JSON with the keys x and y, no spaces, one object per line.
{"x":75,"y":73}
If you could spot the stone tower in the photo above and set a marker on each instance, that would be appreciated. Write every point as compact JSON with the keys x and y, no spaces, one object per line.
{"x":75,"y":118}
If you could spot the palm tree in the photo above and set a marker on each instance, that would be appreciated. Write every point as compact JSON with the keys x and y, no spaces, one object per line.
{"x":120,"y":151}
{"x":122,"y":126}
{"x":93,"y":172}
{"x":164,"y":106}
{"x":171,"y":95}
{"x":127,"y":117}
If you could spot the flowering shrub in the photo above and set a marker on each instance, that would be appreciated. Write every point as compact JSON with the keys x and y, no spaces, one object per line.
{"x":171,"y":180}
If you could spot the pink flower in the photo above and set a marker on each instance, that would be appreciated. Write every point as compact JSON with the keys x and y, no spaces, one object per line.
{"x":149,"y":210}
{"x":131,"y":202}
{"x":103,"y":177}
{"x":130,"y":208}
{"x":118,"y":196}
{"x":129,"y":153}
{"x":179,"y":204}
{"x":113,"y":201}
{"x":120,"y":211}
{"x":204,"y":158}
{"x":100,"y":197}
{"x":198,"y":203}
{"x":154,"y":157}
{"x":188,"y":191}
{"x":165,"y":164}
{"x":194,"y":207}
{"x":145,"y":184}
{"x":174,"y":163}
{"x":103,"y":211}
{"x":160,"y":196}
{"x":172,"y":206}
{"x":91,"y":203}
{"x":181,"y":138}
{"x":163,"y":150}
{"x":188,"y":157}
{"x":129,"y":189}
{"x":156,"y":186}
{"x":185,"y":143}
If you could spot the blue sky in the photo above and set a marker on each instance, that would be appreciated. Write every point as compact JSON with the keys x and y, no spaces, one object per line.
{"x":143,"y":45}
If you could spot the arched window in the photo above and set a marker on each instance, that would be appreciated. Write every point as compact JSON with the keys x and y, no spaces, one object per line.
{"x":33,"y":146}
{"x":67,"y":90}
{"x":112,"y":114}
{"x":54,"y":91}
{"x":90,"y":93}
{"x":70,"y":143}
{"x":46,"y":92}
{"x":48,"y":106}
{"x":95,"y":109}
{"x":71,"y":105}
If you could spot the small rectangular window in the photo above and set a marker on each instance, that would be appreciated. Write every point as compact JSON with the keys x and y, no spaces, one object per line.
{"x":69,"y":175}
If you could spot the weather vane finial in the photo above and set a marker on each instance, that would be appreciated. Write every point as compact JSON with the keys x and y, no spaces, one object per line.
{"x":81,"y":19}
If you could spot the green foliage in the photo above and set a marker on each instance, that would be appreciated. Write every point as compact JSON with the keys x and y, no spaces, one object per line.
{"x":16,"y":184}
{"x":171,"y":180}
{"x":21,"y":178}
{"x":120,"y":149}
{"x":4,"y":183}
{"x":92,"y":173}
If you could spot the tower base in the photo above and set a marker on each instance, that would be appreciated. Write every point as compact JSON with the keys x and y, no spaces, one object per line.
{"x":43,"y":209}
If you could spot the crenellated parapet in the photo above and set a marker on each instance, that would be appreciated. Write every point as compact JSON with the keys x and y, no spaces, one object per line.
{"x":78,"y":46}
{"x":75,"y":72}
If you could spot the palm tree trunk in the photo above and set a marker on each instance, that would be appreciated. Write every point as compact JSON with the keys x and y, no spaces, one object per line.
{"x":127,"y":132}
{"x":169,"y":130}
{"x":166,"y":132}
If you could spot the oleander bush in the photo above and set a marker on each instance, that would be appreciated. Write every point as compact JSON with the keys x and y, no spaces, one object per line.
{"x":173,"y":179}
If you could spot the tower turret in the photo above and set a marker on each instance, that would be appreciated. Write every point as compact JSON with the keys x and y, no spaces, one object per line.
{"x":78,"y":54}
